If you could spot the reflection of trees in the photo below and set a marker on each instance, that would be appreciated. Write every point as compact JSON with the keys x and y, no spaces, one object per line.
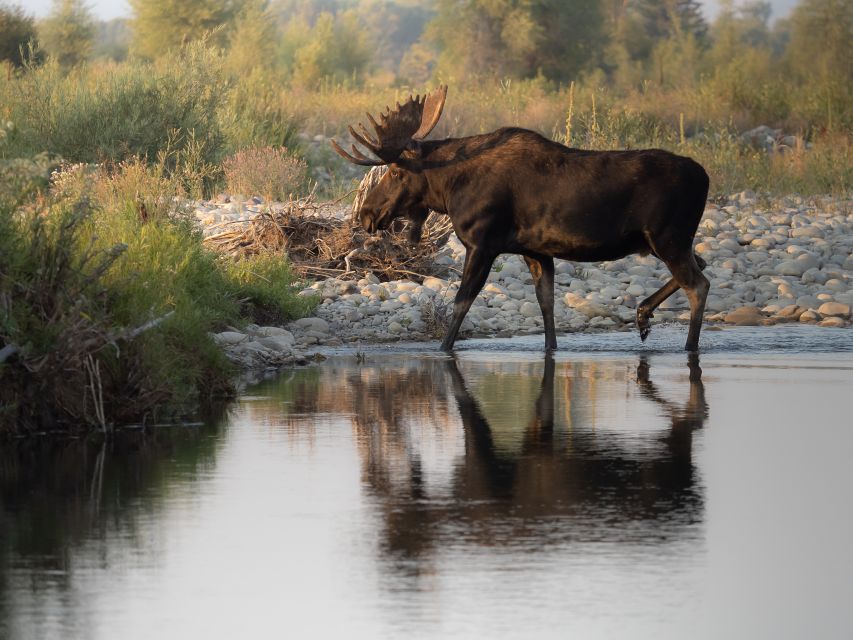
{"x":60,"y":499}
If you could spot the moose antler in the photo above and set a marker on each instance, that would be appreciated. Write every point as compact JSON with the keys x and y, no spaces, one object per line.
{"x":396,"y":129}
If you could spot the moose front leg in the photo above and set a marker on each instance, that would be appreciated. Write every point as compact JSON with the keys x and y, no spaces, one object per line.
{"x":542,"y":270}
{"x":474,"y":275}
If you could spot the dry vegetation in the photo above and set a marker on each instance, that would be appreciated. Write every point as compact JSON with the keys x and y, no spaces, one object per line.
{"x":320,"y":243}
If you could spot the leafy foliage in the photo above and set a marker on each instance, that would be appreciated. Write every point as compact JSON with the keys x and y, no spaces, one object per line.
{"x":160,"y":26}
{"x":17,"y":31}
{"x":67,"y":33}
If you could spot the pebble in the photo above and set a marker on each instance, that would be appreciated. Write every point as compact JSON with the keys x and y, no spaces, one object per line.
{"x":786,"y":262}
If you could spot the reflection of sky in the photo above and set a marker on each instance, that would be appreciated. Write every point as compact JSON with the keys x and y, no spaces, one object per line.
{"x":107,"y":9}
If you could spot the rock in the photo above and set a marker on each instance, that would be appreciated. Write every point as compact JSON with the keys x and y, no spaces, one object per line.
{"x":278,"y":343}
{"x":273,"y":331}
{"x":593,"y":309}
{"x":436,"y":284}
{"x":530,"y":310}
{"x":834,"y":309}
{"x":311,"y":324}
{"x":810,"y":315}
{"x":792,"y":311}
{"x":809,"y":302}
{"x":230,"y":338}
{"x":573,"y":299}
{"x":791,"y":268}
{"x":809,"y":231}
{"x":745,"y":317}
{"x":833,"y":321}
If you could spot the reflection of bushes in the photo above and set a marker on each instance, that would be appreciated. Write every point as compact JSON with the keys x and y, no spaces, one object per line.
{"x":56,"y":495}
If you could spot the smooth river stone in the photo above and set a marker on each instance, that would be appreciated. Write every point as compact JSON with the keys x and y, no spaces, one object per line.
{"x":745,"y":316}
{"x":836,"y":309}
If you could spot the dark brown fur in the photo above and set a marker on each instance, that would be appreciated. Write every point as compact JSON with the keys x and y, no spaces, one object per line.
{"x":514,"y":191}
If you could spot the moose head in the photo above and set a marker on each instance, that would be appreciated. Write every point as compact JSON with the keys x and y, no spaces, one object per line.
{"x":397,"y":144}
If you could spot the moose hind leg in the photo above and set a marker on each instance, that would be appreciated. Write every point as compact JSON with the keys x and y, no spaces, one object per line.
{"x":474,"y":275}
{"x":688,"y":273}
{"x":542,"y":270}
{"x":645,"y":311}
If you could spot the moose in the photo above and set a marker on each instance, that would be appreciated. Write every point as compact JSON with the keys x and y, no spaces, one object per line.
{"x":515,"y":191}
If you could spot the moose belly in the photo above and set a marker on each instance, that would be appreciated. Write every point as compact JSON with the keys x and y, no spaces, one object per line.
{"x":580,"y":247}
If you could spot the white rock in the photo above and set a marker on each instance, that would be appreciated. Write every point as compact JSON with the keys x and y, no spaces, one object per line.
{"x":311,"y":324}
{"x":530,"y":310}
{"x":436,"y":284}
{"x":229,"y":338}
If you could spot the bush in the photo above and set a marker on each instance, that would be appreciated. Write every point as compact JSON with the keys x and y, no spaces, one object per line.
{"x":114,"y":112}
{"x":253,"y":113}
{"x":105,"y":313}
{"x":272,"y":173}
{"x":263,"y":285}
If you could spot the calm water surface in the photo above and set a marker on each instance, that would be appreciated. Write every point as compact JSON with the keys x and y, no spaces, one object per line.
{"x":615,"y":491}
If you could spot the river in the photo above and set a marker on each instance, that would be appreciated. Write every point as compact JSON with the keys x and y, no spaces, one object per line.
{"x":615,"y":490}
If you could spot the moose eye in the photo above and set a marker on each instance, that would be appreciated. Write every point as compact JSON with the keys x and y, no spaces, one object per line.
{"x":395,"y":173}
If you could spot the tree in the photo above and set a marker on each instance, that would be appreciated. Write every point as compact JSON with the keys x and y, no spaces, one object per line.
{"x":822,"y":39}
{"x":335,"y":47}
{"x":517,"y":37}
{"x":17,"y":30}
{"x":161,"y":25}
{"x":820,"y":53}
{"x":252,"y":41}
{"x":574,"y":37}
{"x":67,"y":33}
{"x":664,"y":19}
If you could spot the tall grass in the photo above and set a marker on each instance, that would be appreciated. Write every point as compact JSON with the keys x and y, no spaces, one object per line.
{"x":106,"y":303}
{"x":687,"y":121}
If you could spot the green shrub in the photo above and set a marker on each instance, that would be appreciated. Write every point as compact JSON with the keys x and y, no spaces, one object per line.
{"x":105,"y":313}
{"x":263,"y":283}
{"x":254,"y":113}
{"x":113,"y":112}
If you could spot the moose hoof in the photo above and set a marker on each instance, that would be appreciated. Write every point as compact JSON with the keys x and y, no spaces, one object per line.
{"x":644,"y":326}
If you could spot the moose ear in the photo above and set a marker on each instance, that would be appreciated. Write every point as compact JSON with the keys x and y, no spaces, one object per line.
{"x":413,"y":149}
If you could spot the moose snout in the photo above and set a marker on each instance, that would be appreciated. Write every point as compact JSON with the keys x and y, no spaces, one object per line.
{"x":368,"y":223}
{"x":372,"y":220}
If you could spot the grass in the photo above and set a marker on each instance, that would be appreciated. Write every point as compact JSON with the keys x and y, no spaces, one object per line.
{"x":106,"y":304}
{"x":689,"y":121}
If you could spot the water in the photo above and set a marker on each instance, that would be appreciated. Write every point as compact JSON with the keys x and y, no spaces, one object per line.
{"x":615,"y":491}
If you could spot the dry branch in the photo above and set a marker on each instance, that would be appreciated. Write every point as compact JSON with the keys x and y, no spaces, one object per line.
{"x":321,"y":244}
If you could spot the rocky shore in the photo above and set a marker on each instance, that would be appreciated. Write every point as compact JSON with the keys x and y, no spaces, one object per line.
{"x":769,"y":261}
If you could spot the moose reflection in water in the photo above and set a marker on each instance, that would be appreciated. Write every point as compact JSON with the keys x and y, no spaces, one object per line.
{"x":486,"y":454}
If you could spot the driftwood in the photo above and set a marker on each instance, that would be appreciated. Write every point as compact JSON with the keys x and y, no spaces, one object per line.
{"x":321,"y":244}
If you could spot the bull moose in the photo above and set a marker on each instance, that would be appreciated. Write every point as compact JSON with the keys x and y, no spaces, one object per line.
{"x":514,"y":191}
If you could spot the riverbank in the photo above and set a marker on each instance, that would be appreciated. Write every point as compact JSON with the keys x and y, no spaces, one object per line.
{"x":770,"y":261}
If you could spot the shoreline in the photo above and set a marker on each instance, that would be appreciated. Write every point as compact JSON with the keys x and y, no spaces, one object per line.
{"x":770,"y":261}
